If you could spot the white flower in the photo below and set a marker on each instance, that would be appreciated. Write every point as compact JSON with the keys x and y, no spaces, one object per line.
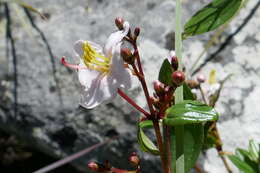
{"x":101,"y":71}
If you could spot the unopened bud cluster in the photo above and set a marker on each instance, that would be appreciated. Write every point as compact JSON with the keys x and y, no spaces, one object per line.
{"x":163,"y":95}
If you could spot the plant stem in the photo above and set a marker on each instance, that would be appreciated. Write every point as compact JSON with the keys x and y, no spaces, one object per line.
{"x":220,"y":149}
{"x":156,"y":126}
{"x":130,"y":101}
{"x":168,"y":148}
{"x":160,"y":144}
{"x":203,"y":94}
{"x":179,"y":130}
{"x":198,"y":169}
{"x":142,"y":79}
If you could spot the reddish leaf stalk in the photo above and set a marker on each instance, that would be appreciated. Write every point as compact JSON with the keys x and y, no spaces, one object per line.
{"x":130,"y":101}
{"x":160,"y":144}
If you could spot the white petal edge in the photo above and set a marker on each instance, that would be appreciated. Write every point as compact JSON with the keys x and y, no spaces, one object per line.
{"x":114,"y":39}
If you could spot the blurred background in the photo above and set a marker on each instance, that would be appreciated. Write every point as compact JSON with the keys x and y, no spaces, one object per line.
{"x":40,"y":119}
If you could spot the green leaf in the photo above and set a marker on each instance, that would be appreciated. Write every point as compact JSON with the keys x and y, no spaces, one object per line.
{"x":211,"y":17}
{"x":253,"y":150}
{"x":242,"y":154}
{"x":240,"y":164}
{"x":187,"y":94}
{"x":189,"y":112}
{"x":145,"y":143}
{"x":245,"y":156}
{"x":165,"y":73}
{"x":193,"y":141}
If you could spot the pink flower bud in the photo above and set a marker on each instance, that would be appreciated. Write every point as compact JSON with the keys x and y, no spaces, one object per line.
{"x":174,"y":62}
{"x":134,"y":159}
{"x":158,"y":87}
{"x":119,"y":23}
{"x":137,"y":31}
{"x":127,"y":55}
{"x":178,"y":78}
{"x":201,"y":78}
{"x":93,"y":166}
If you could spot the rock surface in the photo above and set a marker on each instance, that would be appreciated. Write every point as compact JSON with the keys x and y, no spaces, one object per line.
{"x":48,"y":115}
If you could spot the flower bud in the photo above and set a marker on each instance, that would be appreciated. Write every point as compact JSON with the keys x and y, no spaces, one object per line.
{"x":192,"y":83}
{"x":137,"y":31}
{"x":158,"y":87}
{"x":134,"y":159}
{"x":174,"y":63}
{"x":93,"y":166}
{"x":178,"y":77}
{"x":127,"y":55}
{"x":119,"y":23}
{"x":201,"y":78}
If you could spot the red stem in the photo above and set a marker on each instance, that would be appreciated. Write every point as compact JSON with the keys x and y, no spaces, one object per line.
{"x":160,"y":144}
{"x":144,"y":86}
{"x":130,"y":101}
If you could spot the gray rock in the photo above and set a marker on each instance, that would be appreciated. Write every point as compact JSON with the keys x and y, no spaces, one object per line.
{"x":49,"y":117}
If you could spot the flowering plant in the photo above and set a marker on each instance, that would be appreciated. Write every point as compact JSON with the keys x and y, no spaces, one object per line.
{"x":178,"y":119}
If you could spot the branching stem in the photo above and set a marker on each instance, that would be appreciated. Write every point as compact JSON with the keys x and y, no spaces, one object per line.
{"x":131,"y":102}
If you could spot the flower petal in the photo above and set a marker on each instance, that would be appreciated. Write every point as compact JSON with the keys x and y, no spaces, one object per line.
{"x":78,"y":47}
{"x":114,"y":39}
{"x":86,"y":76}
{"x":121,"y":74}
{"x":102,"y":90}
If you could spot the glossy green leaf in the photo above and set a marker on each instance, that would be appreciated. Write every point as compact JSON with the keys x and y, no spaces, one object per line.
{"x":240,"y":164}
{"x":211,"y":16}
{"x":165,"y":73}
{"x":145,"y":143}
{"x":193,"y":141}
{"x":187,"y":94}
{"x":189,"y":112}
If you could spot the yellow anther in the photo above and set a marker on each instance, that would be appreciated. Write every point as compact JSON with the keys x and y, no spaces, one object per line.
{"x":93,"y":60}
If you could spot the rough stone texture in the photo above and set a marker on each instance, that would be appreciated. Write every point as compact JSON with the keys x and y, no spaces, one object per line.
{"x":48,"y":114}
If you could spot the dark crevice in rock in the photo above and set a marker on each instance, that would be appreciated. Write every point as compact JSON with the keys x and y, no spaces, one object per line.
{"x":65,"y":137}
{"x":151,"y":5}
{"x":169,"y":41}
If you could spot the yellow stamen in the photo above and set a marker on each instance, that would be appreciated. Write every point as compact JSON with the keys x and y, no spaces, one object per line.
{"x":93,"y":60}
